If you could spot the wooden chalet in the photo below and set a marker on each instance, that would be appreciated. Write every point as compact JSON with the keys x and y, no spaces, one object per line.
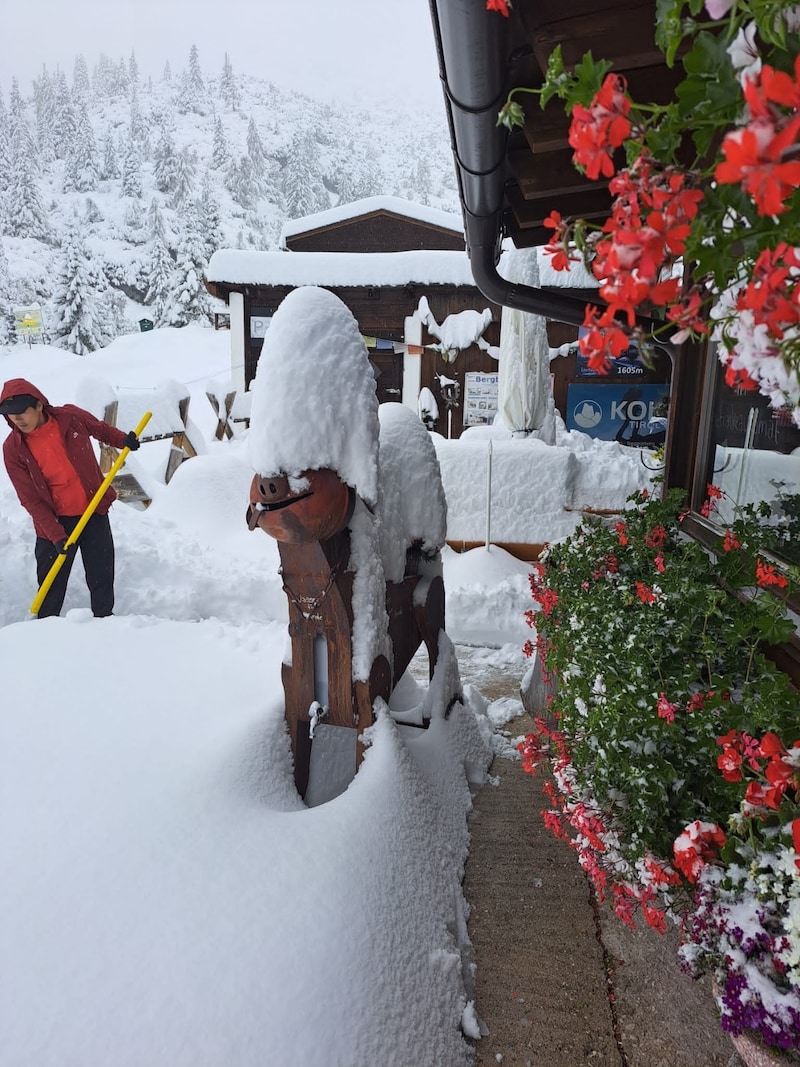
{"x":380,"y":256}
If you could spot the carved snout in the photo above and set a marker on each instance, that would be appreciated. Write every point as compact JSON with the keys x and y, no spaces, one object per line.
{"x":319,"y":506}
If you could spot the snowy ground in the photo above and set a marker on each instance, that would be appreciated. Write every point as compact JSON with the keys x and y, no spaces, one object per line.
{"x":167,"y":899}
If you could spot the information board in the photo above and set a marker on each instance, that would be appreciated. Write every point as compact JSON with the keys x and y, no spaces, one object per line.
{"x":480,"y":397}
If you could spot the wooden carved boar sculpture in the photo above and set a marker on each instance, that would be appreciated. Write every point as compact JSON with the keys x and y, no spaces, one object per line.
{"x":335,"y":543}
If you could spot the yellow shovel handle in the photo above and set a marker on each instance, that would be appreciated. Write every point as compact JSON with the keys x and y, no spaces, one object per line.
{"x":60,"y":559}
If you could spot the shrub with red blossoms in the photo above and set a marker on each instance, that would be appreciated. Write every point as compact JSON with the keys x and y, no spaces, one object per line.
{"x":658,"y":713}
{"x":709,"y":248}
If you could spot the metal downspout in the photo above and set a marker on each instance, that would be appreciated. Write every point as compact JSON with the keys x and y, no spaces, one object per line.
{"x":474,"y":93}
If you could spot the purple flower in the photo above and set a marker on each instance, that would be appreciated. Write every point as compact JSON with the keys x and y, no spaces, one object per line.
{"x":718,"y":8}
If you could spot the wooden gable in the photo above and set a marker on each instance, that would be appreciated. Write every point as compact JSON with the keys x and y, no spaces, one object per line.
{"x":376,"y":231}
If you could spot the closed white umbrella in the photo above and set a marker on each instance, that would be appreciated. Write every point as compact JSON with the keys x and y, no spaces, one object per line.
{"x":524,"y":395}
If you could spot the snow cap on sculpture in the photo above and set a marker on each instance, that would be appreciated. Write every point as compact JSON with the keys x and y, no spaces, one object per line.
{"x":412,"y":508}
{"x":314,"y":402}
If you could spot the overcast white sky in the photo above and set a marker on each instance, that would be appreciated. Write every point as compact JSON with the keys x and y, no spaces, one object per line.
{"x":331,"y":49}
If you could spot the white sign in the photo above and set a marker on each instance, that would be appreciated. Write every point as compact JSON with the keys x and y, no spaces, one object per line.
{"x":259,"y":325}
{"x":480,"y":397}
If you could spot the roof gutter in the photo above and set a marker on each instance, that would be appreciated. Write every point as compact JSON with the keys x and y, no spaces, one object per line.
{"x":472,"y":45}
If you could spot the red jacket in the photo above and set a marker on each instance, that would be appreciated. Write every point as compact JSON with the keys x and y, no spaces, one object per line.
{"x":77,"y":428}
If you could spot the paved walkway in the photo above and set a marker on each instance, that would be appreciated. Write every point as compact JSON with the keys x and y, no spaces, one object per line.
{"x":560,"y":981}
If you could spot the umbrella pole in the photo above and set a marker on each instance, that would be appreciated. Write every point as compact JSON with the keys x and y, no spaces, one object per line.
{"x":489,"y":494}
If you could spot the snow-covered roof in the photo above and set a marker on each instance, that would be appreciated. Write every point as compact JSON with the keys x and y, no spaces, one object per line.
{"x":233,"y":266}
{"x":425,"y":267}
{"x":368,"y":206}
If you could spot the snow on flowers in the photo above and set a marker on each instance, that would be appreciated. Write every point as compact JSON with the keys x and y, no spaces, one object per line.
{"x":744,"y":925}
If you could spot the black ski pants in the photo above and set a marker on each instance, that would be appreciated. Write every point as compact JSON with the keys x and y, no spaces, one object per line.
{"x":97,"y":552}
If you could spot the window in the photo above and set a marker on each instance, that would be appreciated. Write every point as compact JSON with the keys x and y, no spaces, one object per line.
{"x":752,"y":454}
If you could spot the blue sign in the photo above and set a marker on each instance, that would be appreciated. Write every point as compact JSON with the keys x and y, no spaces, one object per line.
{"x":634,"y":415}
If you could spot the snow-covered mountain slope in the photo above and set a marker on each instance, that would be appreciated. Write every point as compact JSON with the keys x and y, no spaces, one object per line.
{"x":114,"y":192}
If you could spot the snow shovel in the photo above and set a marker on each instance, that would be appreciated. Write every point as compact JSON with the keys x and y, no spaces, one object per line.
{"x":58,"y":563}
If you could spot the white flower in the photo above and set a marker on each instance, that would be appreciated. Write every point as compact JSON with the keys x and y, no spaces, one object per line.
{"x":744,"y":54}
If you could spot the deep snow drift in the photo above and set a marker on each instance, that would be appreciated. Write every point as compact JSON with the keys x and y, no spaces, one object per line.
{"x":167,"y":899}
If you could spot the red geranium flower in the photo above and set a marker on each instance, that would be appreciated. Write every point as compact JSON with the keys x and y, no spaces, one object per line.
{"x":700,"y":841}
{"x":597,"y":130}
{"x":645,"y":593}
{"x":666,"y":710}
{"x":766,"y":575}
{"x":754,"y":157}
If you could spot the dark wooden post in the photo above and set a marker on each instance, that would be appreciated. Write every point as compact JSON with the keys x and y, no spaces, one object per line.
{"x":319,"y":589}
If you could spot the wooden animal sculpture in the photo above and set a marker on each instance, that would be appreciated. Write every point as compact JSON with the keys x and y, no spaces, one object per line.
{"x":353,"y":495}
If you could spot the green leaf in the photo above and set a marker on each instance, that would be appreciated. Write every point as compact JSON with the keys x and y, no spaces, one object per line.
{"x":669,"y":28}
{"x":589,"y":75}
{"x":775,"y":630}
{"x":557,"y":79}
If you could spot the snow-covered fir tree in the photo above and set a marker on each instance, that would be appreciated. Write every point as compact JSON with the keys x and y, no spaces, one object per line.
{"x":16,"y":110}
{"x":81,"y":171}
{"x":192,"y":90}
{"x":191,"y":302}
{"x":422,"y":182}
{"x":220,"y":156}
{"x":161,"y":268}
{"x":133,"y":70}
{"x":64,"y":117}
{"x":209,"y":218}
{"x":165,"y":162}
{"x":137,"y":127}
{"x":298,"y":181}
{"x":185,"y":169}
{"x":7,"y":328}
{"x":255,"y":149}
{"x":228,"y":89}
{"x":26,"y":216}
{"x":44,"y":102}
{"x":134,"y":221}
{"x":345,"y":186}
{"x":76,"y":321}
{"x":81,"y":87}
{"x":123,"y":79}
{"x":5,"y":148}
{"x":104,"y":78}
{"x":114,"y":318}
{"x":242,"y":182}
{"x":109,"y":168}
{"x":19,"y":128}
{"x":91,"y":214}
{"x":131,"y":170}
